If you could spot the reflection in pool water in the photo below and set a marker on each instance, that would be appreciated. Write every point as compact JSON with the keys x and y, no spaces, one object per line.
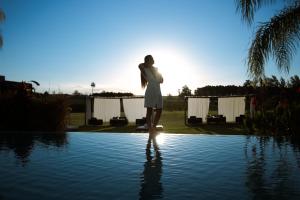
{"x":151,"y":186}
{"x":116,"y":166}
{"x":271,"y":178}
{"x":23,"y":143}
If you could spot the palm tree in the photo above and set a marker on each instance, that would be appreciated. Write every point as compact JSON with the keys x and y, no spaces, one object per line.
{"x":277,"y":37}
{"x":2,"y":18}
{"x":282,"y":83}
{"x":294,"y":81}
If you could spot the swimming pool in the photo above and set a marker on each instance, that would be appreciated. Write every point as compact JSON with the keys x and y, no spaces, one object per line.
{"x":121,"y":166}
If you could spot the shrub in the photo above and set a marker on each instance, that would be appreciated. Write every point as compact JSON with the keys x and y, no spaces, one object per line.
{"x":32,"y":113}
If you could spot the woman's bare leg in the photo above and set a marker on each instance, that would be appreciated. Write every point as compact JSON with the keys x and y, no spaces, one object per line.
{"x":157,"y":117}
{"x":149,"y":120}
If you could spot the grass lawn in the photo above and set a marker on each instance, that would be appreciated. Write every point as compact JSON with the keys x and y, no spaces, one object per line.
{"x":173,"y":122}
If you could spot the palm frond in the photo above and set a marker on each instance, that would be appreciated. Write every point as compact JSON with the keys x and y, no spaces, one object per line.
{"x":249,"y":7}
{"x":278,"y":38}
{"x":258,"y":53}
{"x":35,"y":82}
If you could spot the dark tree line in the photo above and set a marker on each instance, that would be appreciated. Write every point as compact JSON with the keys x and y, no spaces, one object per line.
{"x":113,"y":94}
{"x":271,"y":85}
{"x":220,"y":90}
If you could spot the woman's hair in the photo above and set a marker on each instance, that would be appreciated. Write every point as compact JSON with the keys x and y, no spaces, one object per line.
{"x":144,"y":82}
{"x":148,"y":58}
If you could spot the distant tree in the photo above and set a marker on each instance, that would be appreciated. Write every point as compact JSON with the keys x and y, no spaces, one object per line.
{"x":2,"y":18}
{"x":185,"y":91}
{"x":169,"y":96}
{"x":248,"y":83}
{"x":221,"y":90}
{"x":271,"y":82}
{"x":282,"y":83}
{"x":294,"y":82}
{"x":278,"y":37}
{"x":76,"y":92}
{"x":275,"y":81}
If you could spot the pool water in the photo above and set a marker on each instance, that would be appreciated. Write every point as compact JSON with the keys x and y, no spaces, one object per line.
{"x":128,"y":166}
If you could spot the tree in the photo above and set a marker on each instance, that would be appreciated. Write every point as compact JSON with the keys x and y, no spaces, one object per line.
{"x":277,"y":37}
{"x":295,"y":81}
{"x":273,"y":81}
{"x":186,"y":91}
{"x":282,"y":83}
{"x":76,"y":92}
{"x":248,"y":83}
{"x":2,"y":18}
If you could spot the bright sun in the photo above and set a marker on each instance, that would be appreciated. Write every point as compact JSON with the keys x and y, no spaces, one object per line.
{"x":176,"y":69}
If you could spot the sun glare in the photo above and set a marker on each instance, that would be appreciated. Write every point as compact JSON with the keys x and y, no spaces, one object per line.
{"x":160,"y":139}
{"x":176,"y":68}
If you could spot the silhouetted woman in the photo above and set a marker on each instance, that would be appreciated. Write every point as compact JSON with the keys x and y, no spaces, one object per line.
{"x":151,"y":78}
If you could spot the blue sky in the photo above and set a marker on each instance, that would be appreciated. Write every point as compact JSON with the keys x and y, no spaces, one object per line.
{"x":67,"y":44}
